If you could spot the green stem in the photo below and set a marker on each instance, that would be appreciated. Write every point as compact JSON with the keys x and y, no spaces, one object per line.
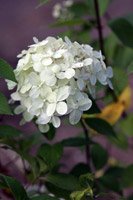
{"x":87,"y":149}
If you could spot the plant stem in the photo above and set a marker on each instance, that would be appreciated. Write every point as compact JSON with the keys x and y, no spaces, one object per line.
{"x":87,"y":149}
{"x":99,"y":25}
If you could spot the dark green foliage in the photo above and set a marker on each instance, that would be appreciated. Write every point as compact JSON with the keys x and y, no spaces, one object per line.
{"x":15,"y":187}
{"x":6,"y":71}
{"x":4,"y":107}
{"x":123,"y":28}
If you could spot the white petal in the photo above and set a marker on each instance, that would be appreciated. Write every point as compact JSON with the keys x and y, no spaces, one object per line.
{"x":19,"y":109}
{"x":47,"y":61}
{"x":56,"y":68}
{"x":56,"y":121}
{"x":110,"y":84}
{"x":93,"y":79}
{"x":48,"y":77}
{"x":10,"y":84}
{"x":61,"y":108}
{"x":35,"y":40}
{"x":27,"y":116}
{"x":16,"y":96}
{"x":78,"y":65}
{"x":50,"y":109}
{"x":63,"y":93}
{"x":85,"y":104}
{"x":52,"y":97}
{"x":60,"y":75}
{"x":25,"y":88}
{"x":69,"y":73}
{"x":75,"y":116}
{"x":37,"y":66}
{"x":43,"y":119}
{"x":80,"y":83}
{"x":34,"y":78}
{"x":88,"y":61}
{"x":59,"y":53}
{"x":43,"y":128}
{"x":109,"y":72}
{"x":101,"y":76}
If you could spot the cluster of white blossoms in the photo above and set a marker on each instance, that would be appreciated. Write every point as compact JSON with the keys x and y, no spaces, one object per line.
{"x":60,"y":10}
{"x":54,"y":78}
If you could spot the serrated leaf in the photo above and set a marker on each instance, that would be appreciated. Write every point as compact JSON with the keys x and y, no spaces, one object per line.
{"x":9,"y":131}
{"x":6,"y":71}
{"x":4,"y":107}
{"x":15,"y":187}
{"x":123,"y":28}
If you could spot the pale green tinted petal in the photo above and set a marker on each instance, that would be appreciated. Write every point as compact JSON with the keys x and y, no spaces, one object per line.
{"x":75,"y":116}
{"x":56,"y":121}
{"x":69,"y":73}
{"x":61,"y":108}
{"x":19,"y":109}
{"x":85,"y":104}
{"x":63,"y":93}
{"x":50,"y":109}
{"x":43,"y":128}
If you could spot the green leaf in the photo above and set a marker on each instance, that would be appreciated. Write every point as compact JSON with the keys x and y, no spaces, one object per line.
{"x":119,"y":81}
{"x":101,"y":126}
{"x":130,"y":68}
{"x":68,"y":22}
{"x":64,"y":181}
{"x":94,"y":108}
{"x":123,"y":28}
{"x":127,"y":125}
{"x":99,"y":156}
{"x":74,"y":142}
{"x":15,"y":187}
{"x":127,"y":177}
{"x":79,"y":9}
{"x":80,"y":169}
{"x":4,"y":107}
{"x":86,"y":180}
{"x":103,"y":4}
{"x":82,"y":194}
{"x":6,"y":71}
{"x":9,"y":131}
{"x":42,"y":2}
{"x":112,"y":179}
{"x":51,"y":154}
{"x":44,"y":197}
{"x":51,"y":133}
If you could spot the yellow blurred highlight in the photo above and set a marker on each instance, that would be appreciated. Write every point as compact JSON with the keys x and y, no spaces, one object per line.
{"x":113,"y":111}
{"x":125,"y":97}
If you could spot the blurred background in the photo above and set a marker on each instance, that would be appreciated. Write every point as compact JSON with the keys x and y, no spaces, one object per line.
{"x":22,"y":20}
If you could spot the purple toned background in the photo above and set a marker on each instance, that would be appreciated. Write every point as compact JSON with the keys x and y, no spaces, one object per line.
{"x":19,"y":22}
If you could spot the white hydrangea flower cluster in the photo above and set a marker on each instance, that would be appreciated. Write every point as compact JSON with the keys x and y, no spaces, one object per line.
{"x":54,"y":78}
{"x":60,"y":10}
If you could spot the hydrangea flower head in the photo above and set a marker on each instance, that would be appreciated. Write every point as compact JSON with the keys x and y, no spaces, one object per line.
{"x":54,"y":79}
